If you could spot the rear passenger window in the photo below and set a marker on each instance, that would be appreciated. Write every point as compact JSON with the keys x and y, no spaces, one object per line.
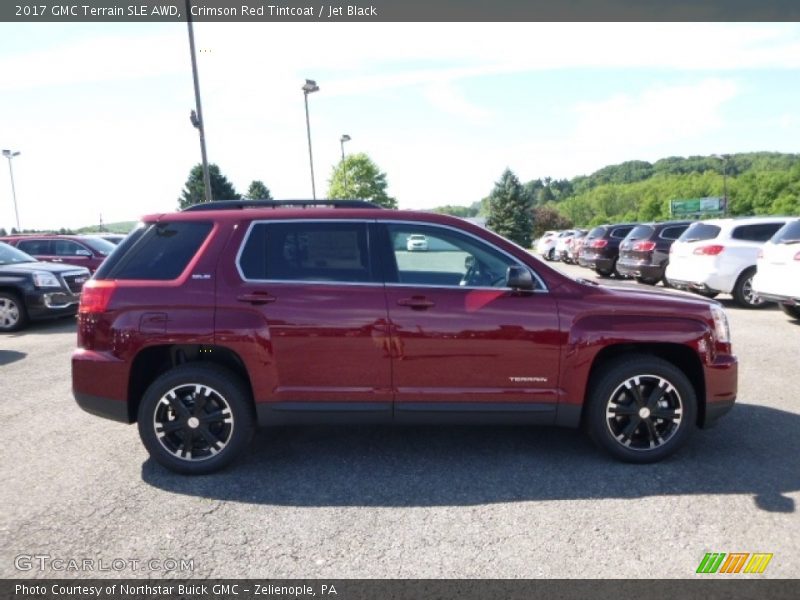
{"x":307,"y":251}
{"x":159,"y":251}
{"x":673,"y":233}
{"x":756,"y":233}
{"x":35,"y":246}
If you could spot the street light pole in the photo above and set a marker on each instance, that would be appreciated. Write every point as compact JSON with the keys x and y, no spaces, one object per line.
{"x":9,"y":155}
{"x":197,"y":117}
{"x":309,"y":88}
{"x":342,"y":140}
{"x":724,"y":158}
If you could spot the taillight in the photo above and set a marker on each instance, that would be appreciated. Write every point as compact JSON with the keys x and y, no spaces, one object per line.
{"x":598,"y":243}
{"x":711,"y":250}
{"x":797,"y":256}
{"x":644,"y":246}
{"x":96,"y":295}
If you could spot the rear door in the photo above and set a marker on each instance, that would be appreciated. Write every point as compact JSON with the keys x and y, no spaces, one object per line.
{"x":312,"y":299}
{"x":462,"y":342}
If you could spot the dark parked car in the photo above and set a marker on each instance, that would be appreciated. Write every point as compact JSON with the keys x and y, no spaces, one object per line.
{"x":600,"y":249}
{"x":31,"y":290}
{"x":644,"y":253}
{"x":80,"y":250}
{"x":209,"y":321}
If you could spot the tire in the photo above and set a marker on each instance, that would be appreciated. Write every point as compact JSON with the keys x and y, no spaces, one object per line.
{"x":647,"y":280}
{"x":215,"y":437}
{"x":607,"y":272}
{"x":792,"y":311}
{"x":705,"y":294}
{"x":743,"y":293}
{"x":13,"y":315}
{"x":622,"y":423}
{"x":551,"y":254}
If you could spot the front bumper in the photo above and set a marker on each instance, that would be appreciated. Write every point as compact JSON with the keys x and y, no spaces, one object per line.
{"x":44,"y":305}
{"x":722,"y":376}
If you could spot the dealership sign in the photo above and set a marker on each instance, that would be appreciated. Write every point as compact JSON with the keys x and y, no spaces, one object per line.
{"x":697,"y":206}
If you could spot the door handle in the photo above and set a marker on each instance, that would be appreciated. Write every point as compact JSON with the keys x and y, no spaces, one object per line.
{"x":416,"y":302}
{"x":256,"y":298}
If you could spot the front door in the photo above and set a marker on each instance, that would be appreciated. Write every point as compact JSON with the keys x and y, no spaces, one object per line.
{"x":462,"y":340}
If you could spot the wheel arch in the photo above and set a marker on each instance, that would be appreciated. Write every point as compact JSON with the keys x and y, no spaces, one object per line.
{"x":153,"y":361}
{"x":680,"y":355}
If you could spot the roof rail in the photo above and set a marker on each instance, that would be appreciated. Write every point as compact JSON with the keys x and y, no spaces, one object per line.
{"x":241,"y":204}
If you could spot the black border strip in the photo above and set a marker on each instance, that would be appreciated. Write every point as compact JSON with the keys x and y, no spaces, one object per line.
{"x":105,"y":11}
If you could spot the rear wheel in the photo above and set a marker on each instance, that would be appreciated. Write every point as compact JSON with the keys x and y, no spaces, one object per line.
{"x":551,"y":255}
{"x":196,"y":418}
{"x":792,"y":311}
{"x":13,"y":315}
{"x":641,"y":410}
{"x":743,"y":292}
{"x":607,"y":272}
{"x":647,"y":280}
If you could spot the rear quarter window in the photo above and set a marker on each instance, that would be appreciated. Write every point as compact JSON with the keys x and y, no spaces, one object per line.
{"x":700,"y":232}
{"x":760,"y":232}
{"x":158,"y":251}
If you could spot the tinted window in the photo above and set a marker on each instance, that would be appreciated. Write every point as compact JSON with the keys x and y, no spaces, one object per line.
{"x":756,"y":233}
{"x":35,"y":246}
{"x":158,"y":251}
{"x":68,"y":248}
{"x":10,"y":255}
{"x":621,"y":232}
{"x":452,"y":259}
{"x":99,"y":245}
{"x":313,"y":251}
{"x":699,"y":232}
{"x":597,"y":232}
{"x":788,"y":234}
{"x":673,"y":233}
{"x":640,"y":232}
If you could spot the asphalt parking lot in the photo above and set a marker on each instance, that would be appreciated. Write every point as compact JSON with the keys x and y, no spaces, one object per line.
{"x":373,"y":502}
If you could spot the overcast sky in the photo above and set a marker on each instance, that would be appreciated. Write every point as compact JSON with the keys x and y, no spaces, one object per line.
{"x":100,"y":112}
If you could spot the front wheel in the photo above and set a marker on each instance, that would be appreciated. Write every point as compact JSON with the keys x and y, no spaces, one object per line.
{"x":743,"y":292}
{"x":647,"y":280}
{"x":13,"y":316}
{"x":196,"y":418}
{"x":641,"y":410}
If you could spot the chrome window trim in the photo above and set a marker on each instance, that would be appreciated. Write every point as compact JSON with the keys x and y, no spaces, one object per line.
{"x":253,"y":223}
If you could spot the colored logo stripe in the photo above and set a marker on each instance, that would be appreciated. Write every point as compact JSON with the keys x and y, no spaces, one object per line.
{"x":713,"y":562}
{"x":758,"y":563}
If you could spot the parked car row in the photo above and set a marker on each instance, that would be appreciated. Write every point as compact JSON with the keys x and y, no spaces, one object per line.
{"x":42,"y":276}
{"x":706,"y":257}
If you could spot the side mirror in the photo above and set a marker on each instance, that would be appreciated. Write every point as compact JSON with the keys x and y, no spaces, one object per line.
{"x":519,"y":278}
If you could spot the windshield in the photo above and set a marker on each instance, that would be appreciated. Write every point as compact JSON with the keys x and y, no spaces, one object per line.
{"x":99,"y":245}
{"x":11,"y":256}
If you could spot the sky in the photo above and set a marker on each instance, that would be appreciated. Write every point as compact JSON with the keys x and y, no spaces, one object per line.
{"x":100,"y":112}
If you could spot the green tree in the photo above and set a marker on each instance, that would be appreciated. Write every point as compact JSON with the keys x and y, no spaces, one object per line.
{"x":258,"y":191}
{"x":457,"y":210}
{"x":194,"y":190}
{"x":546,"y":218}
{"x":510,"y":210}
{"x":364,"y":181}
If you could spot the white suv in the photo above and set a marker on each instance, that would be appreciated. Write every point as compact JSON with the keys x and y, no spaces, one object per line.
{"x":719,"y":255}
{"x":778,"y":275}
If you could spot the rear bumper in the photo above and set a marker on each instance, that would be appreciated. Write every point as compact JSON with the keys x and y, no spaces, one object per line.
{"x":99,"y":384}
{"x":722,"y":377}
{"x":636,"y":269}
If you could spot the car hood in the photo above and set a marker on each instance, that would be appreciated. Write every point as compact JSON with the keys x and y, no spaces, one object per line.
{"x":24,"y":268}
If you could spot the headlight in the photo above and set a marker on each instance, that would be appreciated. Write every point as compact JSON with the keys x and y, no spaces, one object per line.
{"x":721,"y":328}
{"x":43,"y":279}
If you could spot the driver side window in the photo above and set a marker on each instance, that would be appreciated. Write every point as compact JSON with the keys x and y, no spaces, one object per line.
{"x":436,"y":256}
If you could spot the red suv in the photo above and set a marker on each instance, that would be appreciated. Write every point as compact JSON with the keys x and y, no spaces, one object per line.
{"x":79,"y":250}
{"x":228,"y":314}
